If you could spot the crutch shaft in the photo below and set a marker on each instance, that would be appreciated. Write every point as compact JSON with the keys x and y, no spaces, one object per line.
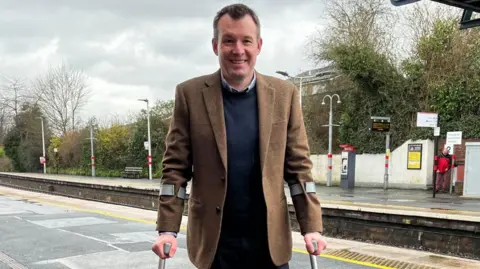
{"x":166,"y":250}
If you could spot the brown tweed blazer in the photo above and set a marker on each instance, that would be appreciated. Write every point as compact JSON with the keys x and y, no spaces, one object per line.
{"x":197,"y":138}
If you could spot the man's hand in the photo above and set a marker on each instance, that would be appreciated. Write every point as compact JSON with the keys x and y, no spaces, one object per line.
{"x":161,"y":241}
{"x":321,"y":243}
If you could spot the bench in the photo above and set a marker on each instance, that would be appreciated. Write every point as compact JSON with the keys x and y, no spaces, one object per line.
{"x":132,"y":171}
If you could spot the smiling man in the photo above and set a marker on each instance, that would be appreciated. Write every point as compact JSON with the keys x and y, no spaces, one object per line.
{"x":243,"y":133}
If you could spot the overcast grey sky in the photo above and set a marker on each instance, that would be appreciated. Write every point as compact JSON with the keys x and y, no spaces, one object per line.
{"x":134,"y":49}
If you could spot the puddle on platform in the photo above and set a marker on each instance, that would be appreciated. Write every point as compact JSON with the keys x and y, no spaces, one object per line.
{"x":441,"y":209}
{"x":400,"y":200}
{"x":27,"y":201}
{"x":445,"y":261}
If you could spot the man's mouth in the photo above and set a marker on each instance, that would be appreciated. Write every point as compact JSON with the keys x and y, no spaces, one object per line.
{"x":238,"y":61}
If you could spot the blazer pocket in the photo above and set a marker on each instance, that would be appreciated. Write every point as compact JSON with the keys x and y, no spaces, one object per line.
{"x":195,"y":208}
{"x":279,"y":131}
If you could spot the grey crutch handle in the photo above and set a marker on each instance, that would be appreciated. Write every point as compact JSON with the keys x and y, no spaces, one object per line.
{"x":166,"y":250}
{"x":313,"y":258}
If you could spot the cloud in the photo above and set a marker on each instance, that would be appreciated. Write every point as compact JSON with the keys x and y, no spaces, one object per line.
{"x":143,"y":48}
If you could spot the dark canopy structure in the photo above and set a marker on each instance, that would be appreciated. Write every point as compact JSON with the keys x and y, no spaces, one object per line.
{"x":468,"y":6}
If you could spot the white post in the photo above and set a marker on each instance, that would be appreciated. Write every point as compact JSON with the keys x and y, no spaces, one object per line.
{"x":387,"y":157}
{"x":91,"y":149}
{"x":330,"y":135}
{"x":330,"y":127}
{"x":44,"y":155}
{"x":149,"y":144}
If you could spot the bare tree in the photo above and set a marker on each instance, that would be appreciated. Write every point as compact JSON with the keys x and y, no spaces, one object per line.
{"x":367,"y":22}
{"x":3,"y":124}
{"x":420,"y":17}
{"x":13,"y":94}
{"x":62,"y":92}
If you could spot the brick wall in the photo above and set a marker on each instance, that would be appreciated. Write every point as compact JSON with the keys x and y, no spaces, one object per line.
{"x":459,"y":151}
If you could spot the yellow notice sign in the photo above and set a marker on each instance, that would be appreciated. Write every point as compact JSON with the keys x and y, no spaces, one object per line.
{"x":414,"y":158}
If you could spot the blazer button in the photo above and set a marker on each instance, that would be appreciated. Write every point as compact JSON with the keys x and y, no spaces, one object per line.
{"x":223,"y":179}
{"x":218,"y":209}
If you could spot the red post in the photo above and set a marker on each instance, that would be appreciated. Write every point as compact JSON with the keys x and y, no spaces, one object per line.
{"x":330,"y":157}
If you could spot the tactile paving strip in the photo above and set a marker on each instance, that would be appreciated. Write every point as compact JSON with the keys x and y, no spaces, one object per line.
{"x":380,"y":262}
{"x":5,"y":259}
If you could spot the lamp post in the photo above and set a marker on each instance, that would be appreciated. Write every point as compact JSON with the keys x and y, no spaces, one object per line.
{"x":330,"y":125}
{"x":149,"y":141}
{"x":284,"y":73}
{"x":44,"y":160}
{"x":92,"y":158}
{"x":92,"y":153}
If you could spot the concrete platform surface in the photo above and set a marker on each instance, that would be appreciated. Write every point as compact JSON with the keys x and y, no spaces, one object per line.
{"x":46,"y":231}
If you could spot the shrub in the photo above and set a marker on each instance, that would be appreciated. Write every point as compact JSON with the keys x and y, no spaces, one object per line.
{"x":6,"y":164}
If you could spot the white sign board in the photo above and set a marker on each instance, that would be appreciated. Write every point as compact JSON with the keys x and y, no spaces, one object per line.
{"x":427,"y":119}
{"x":436,"y":131}
{"x":145,"y":144}
{"x":454,"y":138}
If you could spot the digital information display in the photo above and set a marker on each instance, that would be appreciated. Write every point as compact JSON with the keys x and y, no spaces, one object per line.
{"x":379,"y":124}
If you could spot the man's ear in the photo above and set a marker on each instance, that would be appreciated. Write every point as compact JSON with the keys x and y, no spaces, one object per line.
{"x":259,"y":45}
{"x":215,"y":46}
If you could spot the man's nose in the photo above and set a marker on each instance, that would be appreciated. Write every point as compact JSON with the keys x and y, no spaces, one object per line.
{"x":238,"y":48}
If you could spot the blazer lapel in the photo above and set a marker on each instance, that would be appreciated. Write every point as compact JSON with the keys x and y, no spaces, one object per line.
{"x":212,"y":96}
{"x":266,"y":100}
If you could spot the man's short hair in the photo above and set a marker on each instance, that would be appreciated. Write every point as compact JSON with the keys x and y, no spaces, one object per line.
{"x":236,"y":12}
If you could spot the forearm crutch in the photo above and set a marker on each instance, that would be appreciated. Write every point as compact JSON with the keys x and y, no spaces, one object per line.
{"x":296,"y":189}
{"x":166,"y":250}
{"x":313,"y":258}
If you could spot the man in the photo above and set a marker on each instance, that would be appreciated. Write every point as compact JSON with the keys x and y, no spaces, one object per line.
{"x":444,"y":164}
{"x":238,"y":135}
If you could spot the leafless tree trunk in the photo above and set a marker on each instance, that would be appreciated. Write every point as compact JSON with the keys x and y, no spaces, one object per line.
{"x":63,"y":92}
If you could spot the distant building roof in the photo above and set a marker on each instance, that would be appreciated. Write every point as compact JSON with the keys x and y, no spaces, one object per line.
{"x":314,"y":81}
{"x":319,"y":72}
{"x":315,"y":75}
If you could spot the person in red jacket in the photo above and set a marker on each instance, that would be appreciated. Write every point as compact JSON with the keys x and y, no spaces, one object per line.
{"x":443,"y":167}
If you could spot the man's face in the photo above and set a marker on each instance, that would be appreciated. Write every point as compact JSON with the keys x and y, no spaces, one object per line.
{"x":237,"y":47}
